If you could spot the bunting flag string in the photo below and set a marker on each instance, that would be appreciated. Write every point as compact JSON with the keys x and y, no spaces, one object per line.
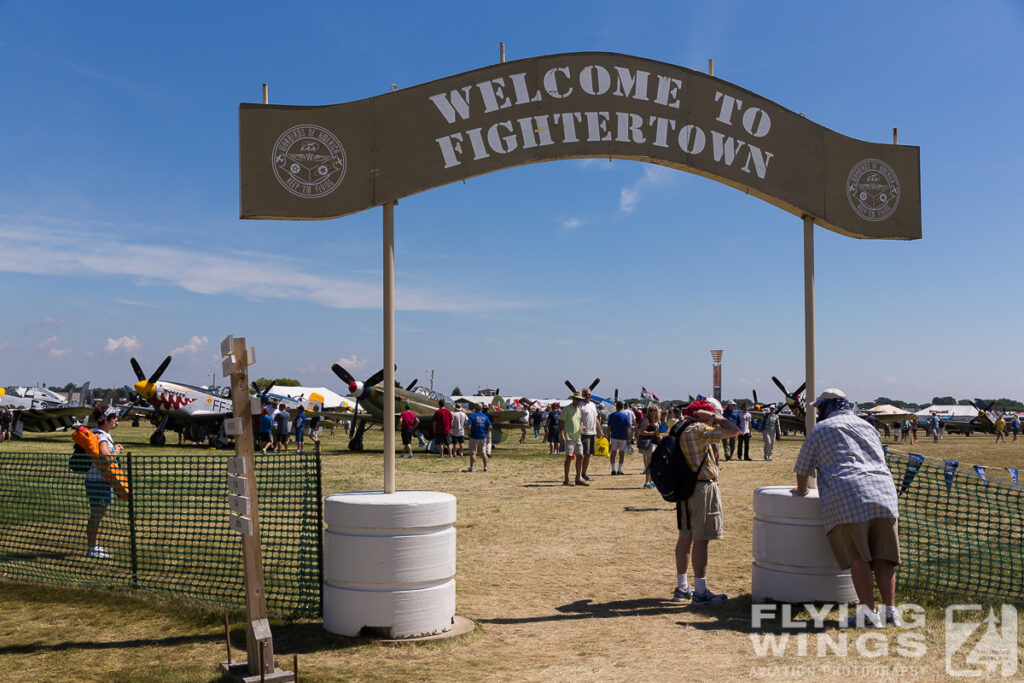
{"x":949,"y":470}
{"x":1013,"y":476}
{"x":980,"y":471}
{"x":914,"y":462}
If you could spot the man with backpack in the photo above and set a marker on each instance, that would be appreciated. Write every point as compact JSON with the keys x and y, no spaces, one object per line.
{"x":699,"y":517}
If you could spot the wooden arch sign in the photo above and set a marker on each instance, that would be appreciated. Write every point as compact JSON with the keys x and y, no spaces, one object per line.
{"x":329,"y":161}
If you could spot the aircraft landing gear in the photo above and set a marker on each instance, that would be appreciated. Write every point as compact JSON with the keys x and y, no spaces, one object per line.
{"x":356,"y":442}
{"x":157,"y":438}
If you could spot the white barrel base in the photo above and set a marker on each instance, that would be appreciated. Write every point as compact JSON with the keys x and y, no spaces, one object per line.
{"x":389,"y":563}
{"x":800,"y":584}
{"x":391,"y":613}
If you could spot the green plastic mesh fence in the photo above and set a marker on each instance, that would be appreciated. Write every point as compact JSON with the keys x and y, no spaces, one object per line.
{"x":961,"y":527}
{"x":172,"y":536}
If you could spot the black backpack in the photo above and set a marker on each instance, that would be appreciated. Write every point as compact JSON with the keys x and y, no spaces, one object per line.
{"x":670,"y":471}
{"x":79,"y":462}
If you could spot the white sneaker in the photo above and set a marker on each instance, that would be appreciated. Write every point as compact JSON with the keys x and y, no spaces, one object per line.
{"x":867,"y":619}
{"x":892,"y":617}
{"x":97,"y":553}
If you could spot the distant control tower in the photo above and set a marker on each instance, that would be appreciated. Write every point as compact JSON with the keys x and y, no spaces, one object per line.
{"x":716,"y":357}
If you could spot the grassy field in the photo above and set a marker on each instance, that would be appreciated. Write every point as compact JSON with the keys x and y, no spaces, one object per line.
{"x":562,"y":583}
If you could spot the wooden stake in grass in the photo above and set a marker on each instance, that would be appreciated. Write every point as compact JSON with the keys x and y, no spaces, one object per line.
{"x":227,"y":636}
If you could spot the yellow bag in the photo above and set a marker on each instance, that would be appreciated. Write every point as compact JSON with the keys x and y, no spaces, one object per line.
{"x":601,"y":448}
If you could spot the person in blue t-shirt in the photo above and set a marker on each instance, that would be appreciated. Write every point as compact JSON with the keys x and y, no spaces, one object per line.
{"x":300,"y":429}
{"x":479,"y":426}
{"x":621,"y":433}
{"x":266,"y":430}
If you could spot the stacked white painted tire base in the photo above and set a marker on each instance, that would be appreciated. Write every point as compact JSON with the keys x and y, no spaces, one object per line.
{"x":389,"y":563}
{"x":792,"y":558}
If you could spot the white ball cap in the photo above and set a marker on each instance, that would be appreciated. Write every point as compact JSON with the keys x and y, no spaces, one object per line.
{"x":715,"y":403}
{"x":827,"y":395}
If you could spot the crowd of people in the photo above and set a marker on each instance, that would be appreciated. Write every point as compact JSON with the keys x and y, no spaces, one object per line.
{"x":277,"y":428}
{"x":857,"y":493}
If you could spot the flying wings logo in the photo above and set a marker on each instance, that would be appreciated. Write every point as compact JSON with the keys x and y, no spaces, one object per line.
{"x":995,"y":651}
{"x":309,"y":161}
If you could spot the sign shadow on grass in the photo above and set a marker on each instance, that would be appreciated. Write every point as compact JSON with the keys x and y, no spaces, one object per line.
{"x":587,"y":609}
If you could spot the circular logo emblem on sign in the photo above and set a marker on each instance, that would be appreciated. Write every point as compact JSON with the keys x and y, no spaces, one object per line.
{"x":309,"y":161}
{"x":873,"y":190}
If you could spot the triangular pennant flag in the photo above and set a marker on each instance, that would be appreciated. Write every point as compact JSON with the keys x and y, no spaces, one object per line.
{"x":949,"y":470}
{"x":1013,"y":476}
{"x":980,"y":471}
{"x":914,"y":462}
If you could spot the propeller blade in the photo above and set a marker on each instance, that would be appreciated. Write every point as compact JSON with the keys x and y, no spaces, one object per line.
{"x":374,"y":379}
{"x":780,"y":385}
{"x":755,"y":395}
{"x":796,"y":394}
{"x":412,"y":384}
{"x":571,"y":387}
{"x":593,"y":384}
{"x":138,"y":370}
{"x":343,"y":374}
{"x":160,"y":370}
{"x":129,"y":408}
{"x":616,"y":394}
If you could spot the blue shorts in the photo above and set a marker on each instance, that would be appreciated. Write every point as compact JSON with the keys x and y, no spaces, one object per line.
{"x":99,"y":493}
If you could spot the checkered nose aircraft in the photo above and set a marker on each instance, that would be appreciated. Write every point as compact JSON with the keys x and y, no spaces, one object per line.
{"x":199,"y":413}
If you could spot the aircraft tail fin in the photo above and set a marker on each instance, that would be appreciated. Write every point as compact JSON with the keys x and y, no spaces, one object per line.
{"x":498,"y":403}
{"x":316,"y":401}
{"x":85,"y":398}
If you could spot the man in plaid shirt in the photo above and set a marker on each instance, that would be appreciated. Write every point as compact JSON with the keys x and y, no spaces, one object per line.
{"x":858,"y":502}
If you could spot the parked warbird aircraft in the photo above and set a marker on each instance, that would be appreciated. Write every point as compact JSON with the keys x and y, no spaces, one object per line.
{"x":197,"y":412}
{"x":39,"y":409}
{"x":424,"y":402}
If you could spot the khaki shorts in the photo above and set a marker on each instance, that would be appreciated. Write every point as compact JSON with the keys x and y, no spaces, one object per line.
{"x":703,"y":511}
{"x":478,"y":447}
{"x":875,"y":539}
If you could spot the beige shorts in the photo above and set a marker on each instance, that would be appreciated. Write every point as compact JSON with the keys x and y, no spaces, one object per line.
{"x":573,"y":448}
{"x":875,"y":539}
{"x":478,"y":447}
{"x":703,"y":512}
{"x":618,"y":445}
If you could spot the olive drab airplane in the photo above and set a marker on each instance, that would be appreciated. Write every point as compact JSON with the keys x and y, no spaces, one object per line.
{"x":795,"y":420}
{"x":422,"y":401}
{"x":38,"y":409}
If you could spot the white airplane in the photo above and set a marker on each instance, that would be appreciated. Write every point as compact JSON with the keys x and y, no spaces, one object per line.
{"x":195,"y":411}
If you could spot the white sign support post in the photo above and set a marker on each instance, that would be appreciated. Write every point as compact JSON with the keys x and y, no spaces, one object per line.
{"x":244,"y":519}
{"x":810,"y":417}
{"x":389,"y":347}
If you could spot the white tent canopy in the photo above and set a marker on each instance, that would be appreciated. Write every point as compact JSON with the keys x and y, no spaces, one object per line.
{"x":886,"y":409}
{"x":948,"y":411}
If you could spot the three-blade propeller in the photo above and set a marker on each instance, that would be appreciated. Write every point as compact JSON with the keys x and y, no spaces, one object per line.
{"x":591,"y":387}
{"x":346,"y":377}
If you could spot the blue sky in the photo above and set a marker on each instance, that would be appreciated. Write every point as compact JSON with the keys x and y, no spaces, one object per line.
{"x":119,"y":232}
